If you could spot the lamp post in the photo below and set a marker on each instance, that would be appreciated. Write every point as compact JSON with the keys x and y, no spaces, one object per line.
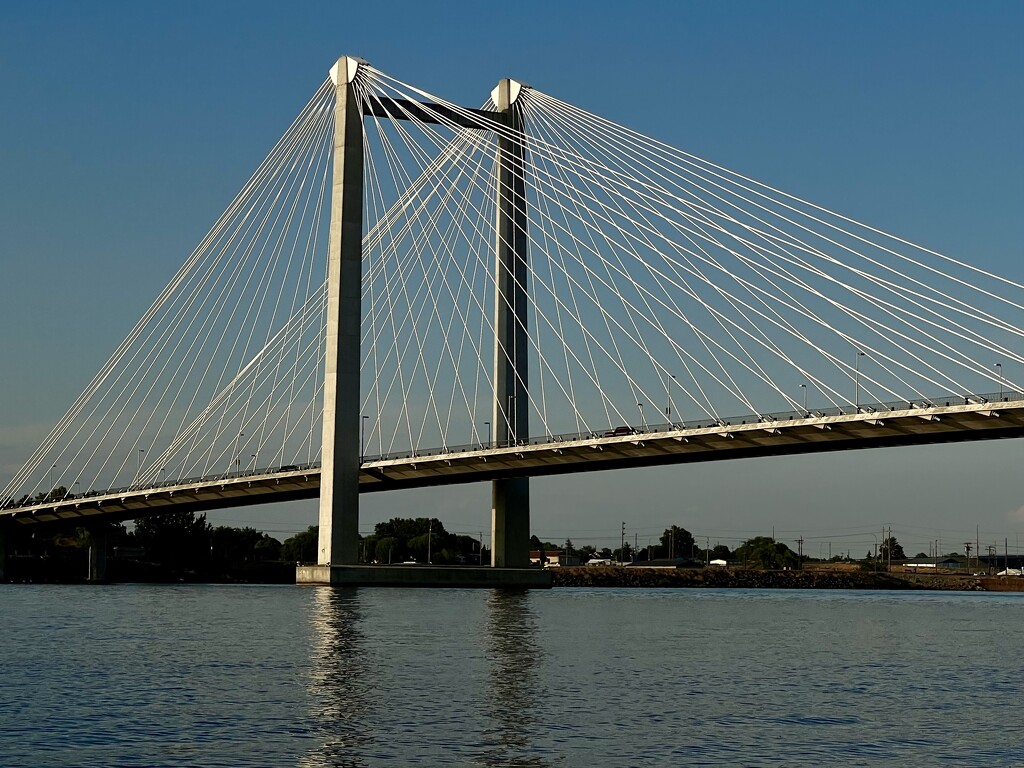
{"x":253,"y":457}
{"x":50,"y":492}
{"x":999,"y":373}
{"x":362,"y":440}
{"x":643,"y":423}
{"x":238,"y":455}
{"x":804,"y":388}
{"x":138,"y":468}
{"x":488,"y":425}
{"x":668,"y":398}
{"x":856,"y":380}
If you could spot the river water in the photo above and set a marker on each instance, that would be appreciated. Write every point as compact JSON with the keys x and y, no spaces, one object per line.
{"x":132,"y":675}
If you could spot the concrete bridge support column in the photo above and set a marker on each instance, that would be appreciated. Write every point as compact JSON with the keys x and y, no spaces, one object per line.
{"x":3,"y":552}
{"x":510,"y":497}
{"x":97,"y":555}
{"x":339,"y":474}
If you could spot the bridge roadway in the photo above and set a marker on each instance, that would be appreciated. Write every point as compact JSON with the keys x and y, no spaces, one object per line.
{"x":652,"y":445}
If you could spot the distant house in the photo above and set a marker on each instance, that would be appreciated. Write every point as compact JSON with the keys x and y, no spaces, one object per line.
{"x":719,"y":563}
{"x":553,"y":558}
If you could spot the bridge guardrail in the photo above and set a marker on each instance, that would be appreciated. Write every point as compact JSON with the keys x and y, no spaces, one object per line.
{"x":647,"y":428}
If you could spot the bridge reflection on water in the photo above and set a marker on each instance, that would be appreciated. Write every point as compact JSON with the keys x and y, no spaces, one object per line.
{"x":352,"y":677}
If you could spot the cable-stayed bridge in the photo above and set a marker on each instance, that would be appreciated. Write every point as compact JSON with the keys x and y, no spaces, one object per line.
{"x":409,"y":292}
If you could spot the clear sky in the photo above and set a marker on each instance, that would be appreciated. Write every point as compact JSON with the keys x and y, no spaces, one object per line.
{"x":127,"y":127}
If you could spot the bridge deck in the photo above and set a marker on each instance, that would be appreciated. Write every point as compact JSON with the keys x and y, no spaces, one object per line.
{"x":794,"y":435}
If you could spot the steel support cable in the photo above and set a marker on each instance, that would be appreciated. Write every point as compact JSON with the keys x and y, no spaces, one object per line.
{"x":593,"y":226}
{"x":386,"y":304}
{"x":152,"y":359}
{"x":545,"y":363}
{"x":200,"y":420}
{"x":464,"y":112}
{"x":422,"y":297}
{"x":114,"y":360}
{"x":535,"y":402}
{"x":403,"y":293}
{"x":286,"y":232}
{"x":685,"y":161}
{"x":632,"y":251}
{"x":267,"y":221}
{"x":258,"y":364}
{"x":592,"y":275}
{"x":544,"y":236}
{"x":606,"y":399}
{"x":302,"y":191}
{"x":550,"y":236}
{"x":990,"y":319}
{"x":868,"y":322}
{"x":444,"y":245}
{"x":763,"y":334}
{"x":210,"y":321}
{"x":594,"y":156}
{"x":309,"y":259}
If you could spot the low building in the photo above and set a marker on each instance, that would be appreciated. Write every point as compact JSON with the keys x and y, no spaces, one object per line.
{"x":553,"y":558}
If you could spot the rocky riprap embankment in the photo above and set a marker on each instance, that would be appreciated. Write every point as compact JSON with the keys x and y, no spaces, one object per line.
{"x":749,"y":578}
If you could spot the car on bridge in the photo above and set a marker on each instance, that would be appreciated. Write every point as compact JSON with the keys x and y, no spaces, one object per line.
{"x":619,"y":432}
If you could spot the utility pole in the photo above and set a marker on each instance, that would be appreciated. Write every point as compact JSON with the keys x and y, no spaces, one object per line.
{"x":800,"y":553}
{"x":622,"y":544}
{"x":430,"y":538}
{"x":977,"y":546}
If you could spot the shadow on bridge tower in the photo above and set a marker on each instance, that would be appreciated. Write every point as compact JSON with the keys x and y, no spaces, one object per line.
{"x":341,"y":456}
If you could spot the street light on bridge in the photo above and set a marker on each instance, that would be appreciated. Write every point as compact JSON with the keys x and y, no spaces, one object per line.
{"x":999,"y":374}
{"x":856,"y":380}
{"x":804,"y":388}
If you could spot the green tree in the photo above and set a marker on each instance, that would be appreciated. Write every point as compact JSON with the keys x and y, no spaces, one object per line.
{"x":174,"y":538}
{"x":387,"y":550}
{"x":721,"y":552}
{"x":302,"y":546}
{"x":765,"y":552}
{"x":678,"y":542}
{"x":891,"y":550}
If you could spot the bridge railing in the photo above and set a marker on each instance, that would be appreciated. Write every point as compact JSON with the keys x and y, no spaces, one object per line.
{"x":650,"y":427}
{"x":624,"y":430}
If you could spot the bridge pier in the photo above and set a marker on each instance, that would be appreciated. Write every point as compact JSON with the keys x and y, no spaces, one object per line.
{"x":3,"y":552}
{"x":339,"y":473}
{"x":97,"y":555}
{"x":510,"y":497}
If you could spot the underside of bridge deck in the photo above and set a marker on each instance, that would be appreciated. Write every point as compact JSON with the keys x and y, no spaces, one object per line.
{"x":914,"y":426}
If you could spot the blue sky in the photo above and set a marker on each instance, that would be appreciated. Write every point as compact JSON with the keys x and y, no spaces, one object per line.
{"x":128,"y":126}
